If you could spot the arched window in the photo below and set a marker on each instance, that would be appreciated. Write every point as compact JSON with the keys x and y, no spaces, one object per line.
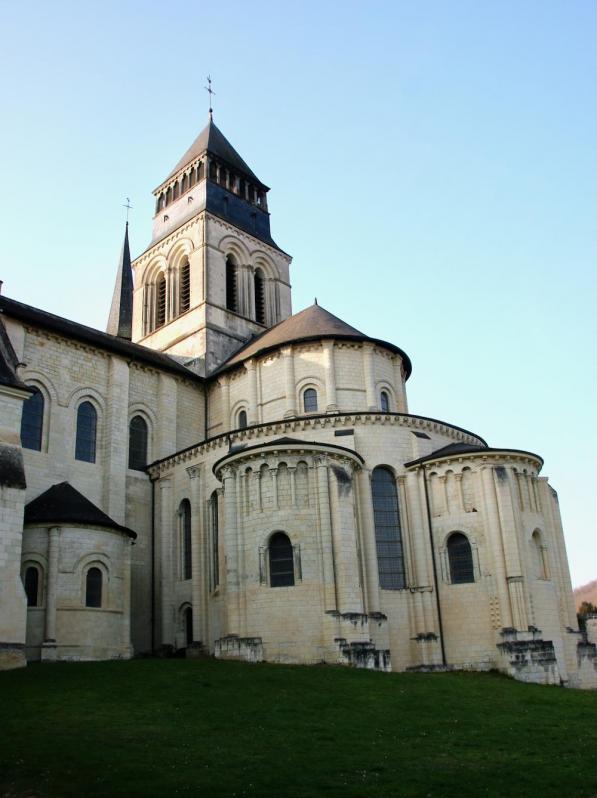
{"x":93,"y":588}
{"x":183,"y":184}
{"x":185,"y":286}
{"x":310,"y":400}
{"x":160,"y":308}
{"x":138,"y":443}
{"x":200,"y":171}
{"x":32,"y":586}
{"x":242,"y":419}
{"x":32,"y":420}
{"x":169,"y":196}
{"x":231,"y":292}
{"x":188,"y":625}
{"x":281,"y":561}
{"x":86,"y":432}
{"x":184,"y":514}
{"x":259,"y":297}
{"x":215,"y":557}
{"x":460,"y":559}
{"x":176,"y":191}
{"x":388,"y":535}
{"x":384,"y":401}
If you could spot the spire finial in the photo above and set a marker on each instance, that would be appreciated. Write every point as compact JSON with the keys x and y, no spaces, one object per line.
{"x":211,"y":92}
{"x":316,"y":301}
{"x":128,"y":207}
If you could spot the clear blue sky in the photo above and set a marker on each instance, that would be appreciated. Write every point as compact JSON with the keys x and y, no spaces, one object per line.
{"x":433,"y":171}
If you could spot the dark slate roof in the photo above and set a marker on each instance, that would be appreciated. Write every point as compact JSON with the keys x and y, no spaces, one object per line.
{"x":213,"y":141}
{"x":63,"y":504}
{"x":454,"y":449}
{"x":120,"y":320}
{"x":88,"y":335}
{"x":310,"y":324}
{"x":8,"y":361}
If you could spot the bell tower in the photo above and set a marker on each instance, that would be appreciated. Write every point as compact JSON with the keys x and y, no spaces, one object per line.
{"x":212,"y":277}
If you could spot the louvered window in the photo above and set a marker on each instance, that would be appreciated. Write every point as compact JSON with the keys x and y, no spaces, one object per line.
{"x":160,"y":316}
{"x":231,"y":288}
{"x":259,"y":297}
{"x":185,"y":287}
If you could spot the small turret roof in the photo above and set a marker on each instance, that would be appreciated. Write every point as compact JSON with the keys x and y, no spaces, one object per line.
{"x":63,"y":504}
{"x":313,"y":323}
{"x":213,"y":141}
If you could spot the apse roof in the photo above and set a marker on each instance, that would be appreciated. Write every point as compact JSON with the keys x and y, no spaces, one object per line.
{"x":212,"y":140}
{"x":454,"y":449}
{"x":63,"y":504}
{"x":312,"y":323}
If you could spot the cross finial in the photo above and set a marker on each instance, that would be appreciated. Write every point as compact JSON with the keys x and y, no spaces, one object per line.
{"x":128,"y":207}
{"x":211,"y":92}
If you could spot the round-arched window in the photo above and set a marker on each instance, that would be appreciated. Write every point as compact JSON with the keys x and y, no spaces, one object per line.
{"x":93,"y":588}
{"x":384,"y":402}
{"x":460,"y":558}
{"x":281,"y":561}
{"x":310,"y":400}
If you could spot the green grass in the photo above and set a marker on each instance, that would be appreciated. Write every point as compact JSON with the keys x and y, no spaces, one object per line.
{"x":207,"y":728}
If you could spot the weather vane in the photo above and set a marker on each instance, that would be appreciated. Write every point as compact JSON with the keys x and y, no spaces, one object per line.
{"x":128,"y":207}
{"x":211,"y":92}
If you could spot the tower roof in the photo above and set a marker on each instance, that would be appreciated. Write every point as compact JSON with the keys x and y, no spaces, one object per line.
{"x":213,"y":141}
{"x":120,"y":320}
{"x":312,"y":323}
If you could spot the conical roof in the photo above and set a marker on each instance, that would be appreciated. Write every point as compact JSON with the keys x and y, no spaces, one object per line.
{"x":63,"y":504}
{"x":213,"y":141}
{"x":315,"y":322}
{"x":120,"y":320}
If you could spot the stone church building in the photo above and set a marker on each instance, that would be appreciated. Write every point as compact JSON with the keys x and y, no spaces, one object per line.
{"x":216,"y":474}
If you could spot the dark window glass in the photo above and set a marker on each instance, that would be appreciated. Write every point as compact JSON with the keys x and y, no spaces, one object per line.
{"x":310,"y":400}
{"x":93,"y":588}
{"x":183,"y":185}
{"x":388,"y":535}
{"x":175,"y":191}
{"x":242,"y":419}
{"x":32,"y":420}
{"x":188,"y":625}
{"x":32,"y":586}
{"x":259,"y":297}
{"x":86,"y":432}
{"x":231,"y":297}
{"x":185,"y":530}
{"x":169,"y":196}
{"x":460,"y":557}
{"x":160,"y":316}
{"x":138,"y":443}
{"x":215,"y":555}
{"x":281,"y":561}
{"x":185,"y":287}
{"x":385,"y":402}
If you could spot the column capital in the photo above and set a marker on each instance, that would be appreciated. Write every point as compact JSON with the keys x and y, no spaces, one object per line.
{"x":193,"y":471}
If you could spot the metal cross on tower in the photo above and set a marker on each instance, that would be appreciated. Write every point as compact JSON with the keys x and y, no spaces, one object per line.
{"x":211,"y":92}
{"x":128,"y":207}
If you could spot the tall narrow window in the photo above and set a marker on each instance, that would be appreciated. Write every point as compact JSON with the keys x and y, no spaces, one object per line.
{"x":138,"y":443}
{"x":32,"y":420}
{"x":388,"y":535}
{"x":231,"y":287}
{"x":540,"y":556}
{"x":184,"y":184}
{"x":185,"y":286}
{"x":384,"y":402}
{"x":310,"y":400}
{"x":188,"y":625}
{"x":86,"y":432}
{"x":460,"y":558}
{"x":215,"y":556}
{"x":93,"y":588}
{"x":281,"y":561}
{"x":160,"y":310}
{"x":32,"y":586}
{"x":184,"y":514}
{"x":242,"y":419}
{"x":176,"y":190}
{"x":259,"y":297}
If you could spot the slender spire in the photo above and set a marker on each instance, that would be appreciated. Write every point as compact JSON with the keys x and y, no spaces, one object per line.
{"x":211,"y":93}
{"x":120,"y":321}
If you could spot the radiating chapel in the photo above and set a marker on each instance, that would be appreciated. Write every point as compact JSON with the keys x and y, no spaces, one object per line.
{"x":216,"y":475}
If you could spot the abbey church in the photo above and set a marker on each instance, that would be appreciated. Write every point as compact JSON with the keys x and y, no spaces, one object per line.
{"x":218,"y":476}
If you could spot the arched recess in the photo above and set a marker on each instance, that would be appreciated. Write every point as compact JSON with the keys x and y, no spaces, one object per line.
{"x":540,"y":560}
{"x":32,"y":420}
{"x":39,"y":382}
{"x":186,"y":623}
{"x":214,"y":537}
{"x":185,"y":539}
{"x":138,"y":449}
{"x":86,"y":431}
{"x":460,"y":558}
{"x":33,"y":578}
{"x":280,"y":560}
{"x":82,"y":567}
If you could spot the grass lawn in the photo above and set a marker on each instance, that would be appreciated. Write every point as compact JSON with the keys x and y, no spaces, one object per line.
{"x":207,"y":728}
